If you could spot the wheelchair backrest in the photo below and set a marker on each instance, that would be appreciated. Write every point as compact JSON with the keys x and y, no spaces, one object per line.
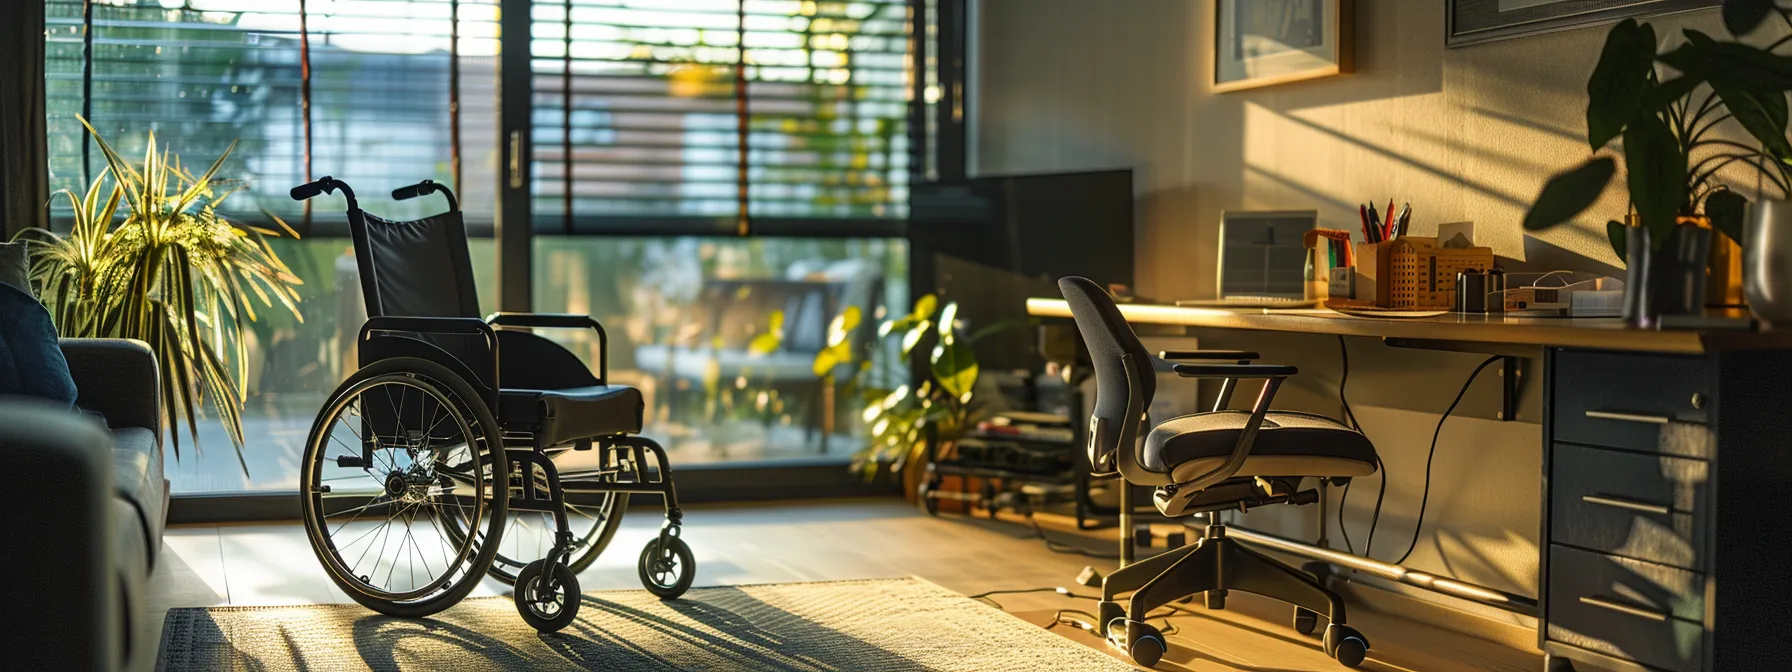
{"x":418,"y":268}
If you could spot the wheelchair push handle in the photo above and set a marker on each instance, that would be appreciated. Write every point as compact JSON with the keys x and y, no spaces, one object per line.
{"x":324,"y":185}
{"x":426,"y":188}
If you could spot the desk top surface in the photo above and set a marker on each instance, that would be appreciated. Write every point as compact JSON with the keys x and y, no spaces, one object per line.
{"x":1493,"y":328}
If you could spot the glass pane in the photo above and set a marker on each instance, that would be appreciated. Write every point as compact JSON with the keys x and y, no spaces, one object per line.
{"x":203,"y":73}
{"x":683,"y":315}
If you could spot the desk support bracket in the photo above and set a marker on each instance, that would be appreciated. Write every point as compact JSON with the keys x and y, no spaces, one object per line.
{"x":1509,"y":372}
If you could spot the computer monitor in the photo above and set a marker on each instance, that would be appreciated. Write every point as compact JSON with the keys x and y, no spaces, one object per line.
{"x":1261,"y":253}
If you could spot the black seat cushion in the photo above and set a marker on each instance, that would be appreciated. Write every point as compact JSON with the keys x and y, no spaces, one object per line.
{"x":574,"y":413}
{"x":1288,"y":444}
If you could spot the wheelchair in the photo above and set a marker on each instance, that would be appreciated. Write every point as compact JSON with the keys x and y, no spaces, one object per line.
{"x":465,"y":447}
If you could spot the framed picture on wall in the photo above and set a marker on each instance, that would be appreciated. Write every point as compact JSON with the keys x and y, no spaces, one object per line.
{"x":1265,"y":42}
{"x":1475,"y":21}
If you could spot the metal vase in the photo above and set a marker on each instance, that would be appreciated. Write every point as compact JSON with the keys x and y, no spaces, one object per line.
{"x":1767,"y":262}
{"x":1639,"y":302}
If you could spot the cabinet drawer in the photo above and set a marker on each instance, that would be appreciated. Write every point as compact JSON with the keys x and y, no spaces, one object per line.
{"x":1641,"y":402}
{"x":1634,"y":610}
{"x":1650,"y":507}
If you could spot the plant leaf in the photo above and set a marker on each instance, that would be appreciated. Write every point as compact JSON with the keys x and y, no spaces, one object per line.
{"x":954,"y":366}
{"x":1742,"y":17}
{"x":1616,"y":88}
{"x":925,"y":306}
{"x":1744,"y":65}
{"x":914,"y":336}
{"x":1616,"y":233}
{"x":1568,"y":194}
{"x":1726,"y":209}
{"x":843,"y":325}
{"x":1657,"y":173}
{"x":1761,"y":113}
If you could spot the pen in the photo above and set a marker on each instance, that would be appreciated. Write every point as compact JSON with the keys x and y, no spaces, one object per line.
{"x":1363,"y":211}
{"x":1404,"y":219}
{"x":1373,"y":224}
{"x":1387,"y":226}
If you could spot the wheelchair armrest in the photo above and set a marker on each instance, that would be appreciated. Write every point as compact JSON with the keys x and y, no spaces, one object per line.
{"x":1234,"y":371}
{"x":431,"y":325}
{"x":561,"y":321}
{"x":1228,"y":355}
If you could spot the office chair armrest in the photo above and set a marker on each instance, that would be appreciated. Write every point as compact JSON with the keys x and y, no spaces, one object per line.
{"x":1234,"y":371}
{"x":1230,"y":355}
{"x":561,"y":321}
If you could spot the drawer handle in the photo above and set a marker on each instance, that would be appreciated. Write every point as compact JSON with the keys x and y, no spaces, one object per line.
{"x":1624,"y":609}
{"x":1629,"y":504}
{"x":1630,"y":417}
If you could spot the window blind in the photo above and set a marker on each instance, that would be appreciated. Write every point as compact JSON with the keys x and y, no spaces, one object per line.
{"x":642,"y":110}
{"x":374,"y":75}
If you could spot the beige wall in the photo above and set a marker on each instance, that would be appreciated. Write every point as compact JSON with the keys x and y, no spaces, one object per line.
{"x":1464,"y":134}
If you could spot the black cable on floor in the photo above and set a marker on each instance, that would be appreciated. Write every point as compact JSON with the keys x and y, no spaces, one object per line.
{"x":1060,"y":547}
{"x":1426,"y":498}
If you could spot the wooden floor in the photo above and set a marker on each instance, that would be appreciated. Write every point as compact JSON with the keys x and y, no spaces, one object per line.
{"x":827,"y":540}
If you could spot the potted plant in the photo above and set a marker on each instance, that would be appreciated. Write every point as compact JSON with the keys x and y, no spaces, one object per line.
{"x":151,"y":259}
{"x":1671,"y":155}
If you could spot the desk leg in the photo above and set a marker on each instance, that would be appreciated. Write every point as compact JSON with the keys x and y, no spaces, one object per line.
{"x":1125,"y":523}
{"x":1324,"y":504}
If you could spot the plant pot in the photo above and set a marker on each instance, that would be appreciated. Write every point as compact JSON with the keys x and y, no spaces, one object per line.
{"x":1767,"y":262}
{"x":1678,"y":270}
{"x":1669,"y":280}
{"x":1723,"y":273}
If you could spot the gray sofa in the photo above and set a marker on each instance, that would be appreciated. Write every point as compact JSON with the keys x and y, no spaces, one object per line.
{"x":77,"y":575}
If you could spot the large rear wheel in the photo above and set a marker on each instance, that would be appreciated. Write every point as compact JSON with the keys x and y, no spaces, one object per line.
{"x":403,"y":448}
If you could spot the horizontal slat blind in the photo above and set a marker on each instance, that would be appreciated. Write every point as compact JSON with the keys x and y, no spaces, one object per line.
{"x":205,"y":72}
{"x":636,"y":115}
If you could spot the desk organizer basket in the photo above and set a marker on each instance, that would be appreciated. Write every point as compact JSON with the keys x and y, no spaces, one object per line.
{"x":1413,"y":273}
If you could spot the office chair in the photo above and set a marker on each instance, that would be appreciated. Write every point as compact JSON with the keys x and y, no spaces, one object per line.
{"x":1207,"y":462}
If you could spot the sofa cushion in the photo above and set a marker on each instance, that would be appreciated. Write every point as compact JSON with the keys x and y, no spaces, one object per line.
{"x":31,"y":362}
{"x":15,"y":266}
{"x":137,"y":473}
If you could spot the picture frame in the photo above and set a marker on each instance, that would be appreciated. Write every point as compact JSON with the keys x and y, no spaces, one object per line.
{"x":1469,"y":22}
{"x":1261,"y":43}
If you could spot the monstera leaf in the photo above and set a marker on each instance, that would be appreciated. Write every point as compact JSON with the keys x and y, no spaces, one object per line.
{"x":1615,"y":92}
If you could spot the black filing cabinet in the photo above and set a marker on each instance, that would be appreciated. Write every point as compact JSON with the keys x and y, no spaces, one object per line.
{"x":1667,"y":537}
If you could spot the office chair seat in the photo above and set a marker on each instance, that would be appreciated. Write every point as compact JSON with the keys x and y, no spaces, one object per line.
{"x":1289,"y":444}
{"x":575,"y":412}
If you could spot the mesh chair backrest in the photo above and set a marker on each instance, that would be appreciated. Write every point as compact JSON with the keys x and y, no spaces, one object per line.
{"x":415,"y":269}
{"x":1108,"y":338}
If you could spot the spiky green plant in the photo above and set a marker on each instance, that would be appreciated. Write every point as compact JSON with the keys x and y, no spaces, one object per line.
{"x":151,"y":259}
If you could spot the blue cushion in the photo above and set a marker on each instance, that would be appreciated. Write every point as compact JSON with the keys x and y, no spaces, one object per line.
{"x":31,"y":362}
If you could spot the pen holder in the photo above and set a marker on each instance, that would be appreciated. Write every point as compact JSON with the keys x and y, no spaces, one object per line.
{"x":1414,"y":273}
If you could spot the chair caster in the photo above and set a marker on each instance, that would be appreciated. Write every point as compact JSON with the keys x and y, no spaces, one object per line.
{"x":1305,"y":621}
{"x":1144,"y":643}
{"x":547,"y":602}
{"x":1345,"y":645}
{"x":1216,"y":599}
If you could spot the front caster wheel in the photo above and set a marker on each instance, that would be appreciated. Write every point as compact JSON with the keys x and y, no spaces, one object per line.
{"x":1345,"y":645}
{"x":1305,"y":621}
{"x":548,"y":601}
{"x":667,"y":572}
{"x":924,"y":495}
{"x":1145,"y":643}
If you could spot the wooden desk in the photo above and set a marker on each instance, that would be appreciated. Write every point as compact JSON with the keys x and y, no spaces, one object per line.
{"x":1589,"y":333}
{"x":1666,"y":456}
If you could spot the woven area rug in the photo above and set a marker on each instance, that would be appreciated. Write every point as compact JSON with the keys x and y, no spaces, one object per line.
{"x":894,"y":625}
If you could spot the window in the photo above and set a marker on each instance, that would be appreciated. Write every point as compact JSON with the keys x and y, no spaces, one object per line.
{"x":383,"y":93}
{"x":663,"y":98}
